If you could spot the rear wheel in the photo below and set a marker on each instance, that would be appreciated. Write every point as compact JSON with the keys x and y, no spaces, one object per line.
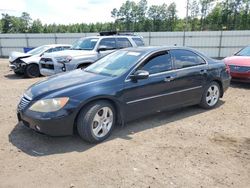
{"x":32,"y":71}
{"x":96,"y":122}
{"x":211,"y":96}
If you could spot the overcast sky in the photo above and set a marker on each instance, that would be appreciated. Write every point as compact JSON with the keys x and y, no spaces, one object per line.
{"x":73,"y":11}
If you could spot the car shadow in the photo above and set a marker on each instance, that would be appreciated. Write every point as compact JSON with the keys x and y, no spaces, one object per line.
{"x":35,"y":144}
{"x":13,"y":76}
{"x":240,"y":85}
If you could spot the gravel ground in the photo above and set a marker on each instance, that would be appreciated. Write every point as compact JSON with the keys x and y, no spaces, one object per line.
{"x":189,"y":147}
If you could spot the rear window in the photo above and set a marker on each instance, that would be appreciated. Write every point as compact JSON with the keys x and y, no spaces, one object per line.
{"x":138,"y":41}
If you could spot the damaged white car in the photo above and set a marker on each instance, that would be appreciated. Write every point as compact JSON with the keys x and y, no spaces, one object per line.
{"x":27,"y":63}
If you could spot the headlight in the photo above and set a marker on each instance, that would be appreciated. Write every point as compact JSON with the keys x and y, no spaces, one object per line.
{"x":49,"y":105}
{"x":66,"y":59}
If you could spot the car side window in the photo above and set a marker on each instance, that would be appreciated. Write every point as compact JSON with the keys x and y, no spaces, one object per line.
{"x":109,"y":42}
{"x":66,"y":47}
{"x":158,"y":63}
{"x":138,"y":41}
{"x":57,"y":49}
{"x":186,"y":58}
{"x":123,"y":43}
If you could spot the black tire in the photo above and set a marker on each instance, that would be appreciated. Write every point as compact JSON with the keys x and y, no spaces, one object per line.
{"x":32,"y":71}
{"x":85,"y":121}
{"x":205,"y":102}
{"x":83,"y":66}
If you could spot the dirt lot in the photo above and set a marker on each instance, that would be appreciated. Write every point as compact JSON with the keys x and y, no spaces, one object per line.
{"x":190,"y":147}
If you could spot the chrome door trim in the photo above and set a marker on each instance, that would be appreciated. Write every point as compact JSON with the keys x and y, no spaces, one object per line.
{"x":156,"y":96}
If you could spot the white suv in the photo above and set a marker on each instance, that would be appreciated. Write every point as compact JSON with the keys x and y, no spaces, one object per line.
{"x":86,"y":51}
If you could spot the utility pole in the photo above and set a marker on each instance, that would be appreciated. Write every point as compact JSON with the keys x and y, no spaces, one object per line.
{"x":186,"y":24}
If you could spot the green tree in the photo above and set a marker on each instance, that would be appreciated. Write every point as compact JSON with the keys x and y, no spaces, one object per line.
{"x":36,"y":26}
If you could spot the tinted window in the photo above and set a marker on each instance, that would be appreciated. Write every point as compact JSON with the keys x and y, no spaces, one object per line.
{"x":123,"y":43}
{"x":185,"y":58}
{"x":66,"y":47}
{"x":159,"y":63}
{"x":138,"y":41}
{"x":109,"y":42}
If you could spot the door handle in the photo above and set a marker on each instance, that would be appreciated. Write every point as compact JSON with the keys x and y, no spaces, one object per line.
{"x":169,"y":78}
{"x":203,"y":71}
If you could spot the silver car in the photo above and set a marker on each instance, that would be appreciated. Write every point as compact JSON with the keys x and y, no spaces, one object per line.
{"x":86,"y":51}
{"x":27,"y":63}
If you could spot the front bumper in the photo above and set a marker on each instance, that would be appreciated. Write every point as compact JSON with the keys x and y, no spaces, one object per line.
{"x":60,"y":126}
{"x":17,"y":66}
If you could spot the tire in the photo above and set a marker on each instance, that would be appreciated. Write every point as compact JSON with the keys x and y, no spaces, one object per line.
{"x":211,"y":96}
{"x":93,"y":125}
{"x":83,"y":66}
{"x":32,"y":71}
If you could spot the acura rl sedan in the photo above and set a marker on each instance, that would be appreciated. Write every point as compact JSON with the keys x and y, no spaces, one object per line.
{"x":122,"y":86}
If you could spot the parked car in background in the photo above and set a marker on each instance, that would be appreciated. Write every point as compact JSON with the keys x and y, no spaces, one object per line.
{"x":86,"y":51}
{"x":239,"y":65}
{"x":27,"y":63}
{"x":122,"y":86}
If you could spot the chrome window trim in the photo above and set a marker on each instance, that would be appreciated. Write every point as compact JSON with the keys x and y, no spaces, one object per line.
{"x":157,"y":96}
{"x":127,"y":79}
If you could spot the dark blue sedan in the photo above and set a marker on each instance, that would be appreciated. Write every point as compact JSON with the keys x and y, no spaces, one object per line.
{"x":120,"y":87}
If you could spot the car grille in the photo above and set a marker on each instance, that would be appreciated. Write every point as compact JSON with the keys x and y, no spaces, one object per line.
{"x":23,"y":104}
{"x":46,"y":59}
{"x":240,"y":69}
{"x":47,"y":66}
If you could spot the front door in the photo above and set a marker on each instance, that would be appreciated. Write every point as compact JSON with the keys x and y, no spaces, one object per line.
{"x":150,"y":95}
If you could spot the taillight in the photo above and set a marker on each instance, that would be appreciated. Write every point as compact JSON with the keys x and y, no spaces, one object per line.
{"x":227,"y":69}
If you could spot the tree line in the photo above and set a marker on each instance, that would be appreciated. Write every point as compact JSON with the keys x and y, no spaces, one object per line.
{"x":139,"y":17}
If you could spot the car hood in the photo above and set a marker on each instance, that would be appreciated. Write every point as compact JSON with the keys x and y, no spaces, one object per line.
{"x":238,"y":60}
{"x":15,"y":55}
{"x":72,"y":53}
{"x":62,"y":81}
{"x":31,"y":59}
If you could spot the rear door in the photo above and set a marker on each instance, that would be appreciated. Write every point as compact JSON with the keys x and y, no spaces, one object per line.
{"x":190,"y":77}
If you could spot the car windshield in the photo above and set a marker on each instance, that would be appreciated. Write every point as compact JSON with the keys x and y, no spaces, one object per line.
{"x":38,"y":50}
{"x":244,"y":52}
{"x":115,"y":64}
{"x":85,"y":44}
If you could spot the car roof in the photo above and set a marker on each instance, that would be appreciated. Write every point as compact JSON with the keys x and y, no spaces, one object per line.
{"x":112,"y":36}
{"x":157,"y":48}
{"x":152,"y":49}
{"x":56,"y":45}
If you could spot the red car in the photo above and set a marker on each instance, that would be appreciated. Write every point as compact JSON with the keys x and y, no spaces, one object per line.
{"x":239,"y":65}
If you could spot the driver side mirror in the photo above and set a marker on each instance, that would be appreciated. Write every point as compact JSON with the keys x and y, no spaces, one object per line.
{"x":104,"y":48}
{"x":139,"y":75}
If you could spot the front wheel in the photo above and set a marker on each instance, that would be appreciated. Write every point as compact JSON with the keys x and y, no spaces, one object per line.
{"x":32,"y":71}
{"x":96,"y":122}
{"x":211,"y":96}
